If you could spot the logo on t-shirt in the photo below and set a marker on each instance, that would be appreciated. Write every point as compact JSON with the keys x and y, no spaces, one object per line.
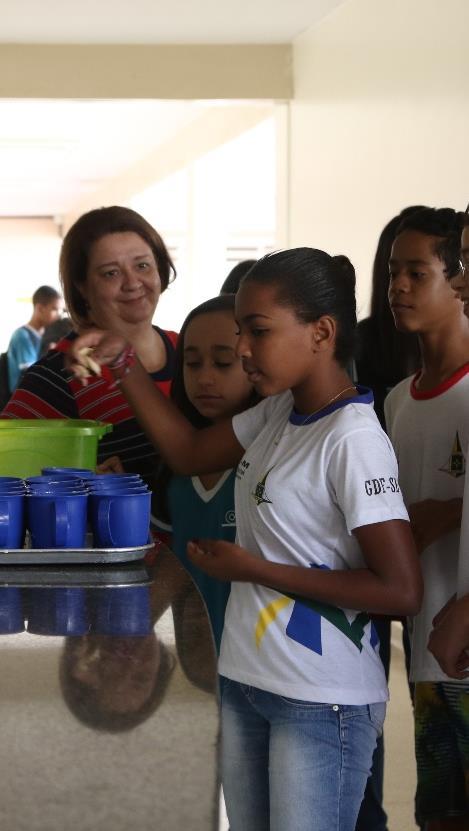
{"x":259,"y":494}
{"x":230,"y":519}
{"x":306,"y":620}
{"x":456,"y":464}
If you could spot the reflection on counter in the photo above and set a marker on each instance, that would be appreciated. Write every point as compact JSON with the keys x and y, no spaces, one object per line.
{"x":114,"y":683}
{"x":108,"y":703}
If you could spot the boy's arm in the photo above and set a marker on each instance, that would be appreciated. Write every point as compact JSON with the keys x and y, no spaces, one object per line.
{"x":433,"y":518}
{"x":449,"y":639}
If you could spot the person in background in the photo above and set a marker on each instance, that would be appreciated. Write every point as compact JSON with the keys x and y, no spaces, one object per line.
{"x":232,"y":281}
{"x":384,"y":356}
{"x":209,"y":384}
{"x":449,"y":638}
{"x":113,"y":268}
{"x":428,"y":422}
{"x":324,"y":541}
{"x":25,"y":342}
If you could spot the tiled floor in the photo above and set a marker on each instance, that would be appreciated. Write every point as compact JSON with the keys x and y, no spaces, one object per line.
{"x":399,"y":775}
{"x":399,"y":782}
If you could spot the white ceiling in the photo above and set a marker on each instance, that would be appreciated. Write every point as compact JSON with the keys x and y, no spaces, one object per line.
{"x":158,"y":21}
{"x":52,"y":153}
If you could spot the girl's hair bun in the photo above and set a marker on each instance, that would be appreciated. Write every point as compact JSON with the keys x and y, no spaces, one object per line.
{"x":345,"y":266}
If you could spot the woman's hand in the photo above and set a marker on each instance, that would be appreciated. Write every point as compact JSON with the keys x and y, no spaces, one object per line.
{"x":223,"y":560}
{"x":102,"y":346}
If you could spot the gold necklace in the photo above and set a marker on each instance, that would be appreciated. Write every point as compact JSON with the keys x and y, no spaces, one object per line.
{"x":315,"y":412}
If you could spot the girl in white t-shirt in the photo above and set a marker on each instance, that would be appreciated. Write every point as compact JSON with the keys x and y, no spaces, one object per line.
{"x":323,"y":541}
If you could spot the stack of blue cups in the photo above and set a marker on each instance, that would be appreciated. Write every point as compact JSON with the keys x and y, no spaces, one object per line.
{"x":12,"y":511}
{"x":56,"y":508}
{"x":119,"y":510}
{"x":12,"y":528}
{"x":57,"y":505}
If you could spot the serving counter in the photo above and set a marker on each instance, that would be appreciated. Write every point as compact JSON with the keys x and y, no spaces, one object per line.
{"x":104,"y":728}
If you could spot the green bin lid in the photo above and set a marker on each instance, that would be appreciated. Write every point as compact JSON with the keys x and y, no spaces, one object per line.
{"x":55,"y":426}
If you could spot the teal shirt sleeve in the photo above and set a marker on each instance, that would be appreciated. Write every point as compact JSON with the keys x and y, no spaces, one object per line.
{"x":22,"y":352}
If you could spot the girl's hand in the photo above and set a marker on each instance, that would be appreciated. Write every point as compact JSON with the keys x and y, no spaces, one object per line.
{"x":103,"y":348}
{"x":111,"y":465}
{"x":449,"y":640}
{"x":223,"y":560}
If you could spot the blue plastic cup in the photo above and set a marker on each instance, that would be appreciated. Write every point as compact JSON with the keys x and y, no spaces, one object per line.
{"x":57,"y":611}
{"x":121,"y":611}
{"x":56,"y":479}
{"x":11,"y":480}
{"x":12,"y":484}
{"x":68,"y":471}
{"x":57,"y":488}
{"x":57,"y":520}
{"x":11,"y":611}
{"x":12,"y":523}
{"x":117,"y":478}
{"x":119,"y":488}
{"x":120,"y":519}
{"x":12,"y":488}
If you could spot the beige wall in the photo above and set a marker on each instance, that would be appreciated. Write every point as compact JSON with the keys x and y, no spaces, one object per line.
{"x":145,"y":71}
{"x":380,"y":120}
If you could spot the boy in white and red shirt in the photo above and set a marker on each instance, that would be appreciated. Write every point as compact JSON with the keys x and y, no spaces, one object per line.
{"x":427,"y":418}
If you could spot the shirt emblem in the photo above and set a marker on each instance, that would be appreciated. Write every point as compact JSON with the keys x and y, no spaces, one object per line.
{"x":259,"y":494}
{"x":456,"y":463}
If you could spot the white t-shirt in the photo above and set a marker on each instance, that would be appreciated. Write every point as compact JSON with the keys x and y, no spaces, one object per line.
{"x":430,"y":432}
{"x":463,"y":558}
{"x":300,"y":491}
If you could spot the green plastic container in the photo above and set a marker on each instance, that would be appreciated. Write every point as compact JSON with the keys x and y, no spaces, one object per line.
{"x":27,"y":445}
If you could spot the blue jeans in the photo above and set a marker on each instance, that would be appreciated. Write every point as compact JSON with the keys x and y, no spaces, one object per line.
{"x":290,"y":765}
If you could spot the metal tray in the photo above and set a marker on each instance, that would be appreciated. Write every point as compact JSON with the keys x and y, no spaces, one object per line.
{"x":71,"y":556}
{"x":83,"y":576}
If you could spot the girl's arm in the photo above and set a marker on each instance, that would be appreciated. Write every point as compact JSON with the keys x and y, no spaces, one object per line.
{"x":186,"y":450}
{"x":391,"y":583}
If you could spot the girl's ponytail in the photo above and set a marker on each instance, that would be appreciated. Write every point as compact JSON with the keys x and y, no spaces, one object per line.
{"x":346,"y":268}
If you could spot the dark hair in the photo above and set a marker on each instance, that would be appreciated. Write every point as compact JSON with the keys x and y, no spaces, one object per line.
{"x":445,"y":223}
{"x":313,"y":284}
{"x":45,"y":295}
{"x":53,"y":333}
{"x":222,"y":303}
{"x":380,"y":275}
{"x":233,"y":279}
{"x":391,"y":355}
{"x":87,"y":230}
